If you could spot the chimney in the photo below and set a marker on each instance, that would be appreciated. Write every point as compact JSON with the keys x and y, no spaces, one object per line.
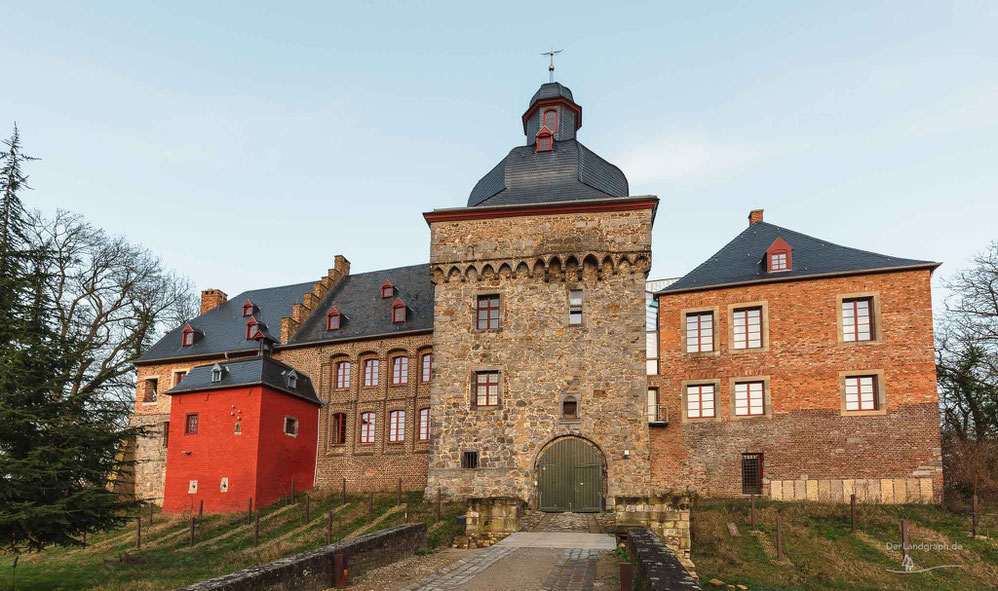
{"x":341,"y":264}
{"x":754,"y":217}
{"x":211,"y":299}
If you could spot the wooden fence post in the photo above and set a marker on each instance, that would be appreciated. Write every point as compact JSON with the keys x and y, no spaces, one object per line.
{"x":625,"y":576}
{"x":340,"y":578}
{"x":973,"y":518}
{"x":256,"y":528}
{"x":852,"y":503}
{"x":400,"y":491}
{"x":84,"y":540}
{"x":138,"y":533}
{"x":201,"y":512}
{"x":249,"y":510}
{"x":192,"y":531}
{"x":343,"y":494}
{"x":438,"y":503}
{"x":370,"y":507}
{"x":904,"y":539}
{"x":752,"y":502}
{"x":329,"y":530}
{"x":779,"y":535}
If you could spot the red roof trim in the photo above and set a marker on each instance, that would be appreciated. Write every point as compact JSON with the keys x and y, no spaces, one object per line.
{"x":554,"y":101}
{"x":477,"y":213}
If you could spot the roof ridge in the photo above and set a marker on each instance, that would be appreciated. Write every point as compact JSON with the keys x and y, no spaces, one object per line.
{"x":836,"y":244}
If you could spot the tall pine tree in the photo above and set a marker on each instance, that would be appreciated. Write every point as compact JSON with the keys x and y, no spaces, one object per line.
{"x":57,"y":449}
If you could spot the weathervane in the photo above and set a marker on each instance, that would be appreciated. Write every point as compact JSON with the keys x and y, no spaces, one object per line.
{"x":551,"y":54}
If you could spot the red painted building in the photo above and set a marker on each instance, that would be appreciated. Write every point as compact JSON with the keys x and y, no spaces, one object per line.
{"x":240,"y":430}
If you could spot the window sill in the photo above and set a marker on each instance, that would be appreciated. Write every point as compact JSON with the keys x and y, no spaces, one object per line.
{"x":864,"y":413}
{"x":702,"y":354}
{"x":861,"y":343}
{"x":153,"y":403}
{"x":402,"y":385}
{"x":734,"y":417}
{"x":564,"y":421}
{"x":702,"y":420}
{"x":763,"y":349}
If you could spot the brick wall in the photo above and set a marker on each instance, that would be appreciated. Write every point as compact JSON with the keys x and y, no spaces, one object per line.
{"x":805,"y":434}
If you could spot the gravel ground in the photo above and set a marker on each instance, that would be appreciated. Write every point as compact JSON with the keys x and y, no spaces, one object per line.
{"x":524,"y":570}
{"x":406,"y":572}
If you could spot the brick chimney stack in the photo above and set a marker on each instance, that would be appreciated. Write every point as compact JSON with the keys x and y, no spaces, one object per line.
{"x":211,"y":299}
{"x":754,"y":217}
{"x":341,"y":264}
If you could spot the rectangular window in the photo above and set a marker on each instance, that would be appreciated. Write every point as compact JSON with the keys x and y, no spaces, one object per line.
{"x":400,"y":371}
{"x":424,"y":424}
{"x":191,"y":424}
{"x":427,"y":367}
{"x":150,"y":390}
{"x":700,"y":332}
{"x":700,"y":401}
{"x":343,"y":375}
{"x":166,"y":434}
{"x":290,"y":426}
{"x":178,"y":376}
{"x":750,"y":399}
{"x":778,"y":261}
{"x":857,"y":323}
{"x":747,"y":328}
{"x":751,"y":474}
{"x":487,"y":312}
{"x":371,"y":372}
{"x":861,"y":393}
{"x":653,"y":406}
{"x":188,"y":338}
{"x":367,"y":420}
{"x":338,"y":429}
{"x":396,"y":426}
{"x":487,"y":388}
{"x":469,"y":459}
{"x":575,"y":306}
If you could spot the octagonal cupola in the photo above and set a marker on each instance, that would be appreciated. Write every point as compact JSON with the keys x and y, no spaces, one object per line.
{"x":552,"y":116}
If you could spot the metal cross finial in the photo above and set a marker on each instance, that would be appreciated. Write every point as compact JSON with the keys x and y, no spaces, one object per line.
{"x":551,"y":54}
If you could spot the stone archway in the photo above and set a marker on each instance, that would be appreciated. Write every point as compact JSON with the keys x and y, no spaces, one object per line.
{"x":571,"y":472}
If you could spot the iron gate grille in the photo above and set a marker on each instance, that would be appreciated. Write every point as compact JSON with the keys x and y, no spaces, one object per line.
{"x":752,"y":474}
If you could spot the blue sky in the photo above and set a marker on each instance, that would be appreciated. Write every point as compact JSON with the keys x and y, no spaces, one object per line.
{"x":247,"y":143}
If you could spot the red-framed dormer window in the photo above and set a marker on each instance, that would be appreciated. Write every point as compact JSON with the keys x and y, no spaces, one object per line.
{"x":778,"y":256}
{"x":545,"y":141}
{"x":252,"y":327}
{"x":550,"y":120}
{"x":387,"y":289}
{"x":398,"y":311}
{"x":248,"y":308}
{"x":187,"y":339}
{"x":333,"y":319}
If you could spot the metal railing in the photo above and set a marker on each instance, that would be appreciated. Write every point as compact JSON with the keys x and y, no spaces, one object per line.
{"x":658,"y":414}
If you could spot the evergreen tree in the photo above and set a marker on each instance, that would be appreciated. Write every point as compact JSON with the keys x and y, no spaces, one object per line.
{"x":57,"y":448}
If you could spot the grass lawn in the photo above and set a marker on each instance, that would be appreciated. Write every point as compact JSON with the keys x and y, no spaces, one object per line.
{"x":821,"y":552}
{"x":223,"y":543}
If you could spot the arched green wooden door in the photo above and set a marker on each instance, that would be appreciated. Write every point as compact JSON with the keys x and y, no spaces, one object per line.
{"x":570,"y":477}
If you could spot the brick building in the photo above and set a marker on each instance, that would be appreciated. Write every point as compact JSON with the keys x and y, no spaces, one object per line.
{"x":530,"y":359}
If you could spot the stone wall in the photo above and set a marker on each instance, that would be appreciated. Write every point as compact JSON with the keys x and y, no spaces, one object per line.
{"x":666,"y":514}
{"x":489,"y":520}
{"x":805,"y":435}
{"x":532,"y":262}
{"x":869,"y":490}
{"x":313,"y":570}
{"x":655,"y":567}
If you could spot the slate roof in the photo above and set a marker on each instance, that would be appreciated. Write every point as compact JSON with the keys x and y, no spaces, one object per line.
{"x":569,"y":172}
{"x":256,"y":371}
{"x":550,"y":90}
{"x":364,"y":313}
{"x":742,"y":260}
{"x":224,"y":327}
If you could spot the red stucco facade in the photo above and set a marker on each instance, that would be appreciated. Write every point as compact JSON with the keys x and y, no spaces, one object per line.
{"x":259,"y":461}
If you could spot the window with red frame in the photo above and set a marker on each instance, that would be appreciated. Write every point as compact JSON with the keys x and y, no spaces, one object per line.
{"x":387,"y":290}
{"x":188,"y":338}
{"x":544,"y":142}
{"x":487,"y":312}
{"x":343,"y":375}
{"x":191,"y":424}
{"x":178,"y":376}
{"x":750,"y":399}
{"x":550,"y":120}
{"x":338,"y":429}
{"x":424,"y":424}
{"x":427,"y":367}
{"x":747,"y":328}
{"x":332,"y":320}
{"x":247,"y":308}
{"x":371,"y":367}
{"x":857,"y":322}
{"x":487,"y":388}
{"x":862,"y":393}
{"x":400,"y":370}
{"x":367,"y":421}
{"x":779,"y":261}
{"x":398,"y":311}
{"x":700,"y":401}
{"x":700,"y":332}
{"x":396,"y":426}
{"x":251,"y":329}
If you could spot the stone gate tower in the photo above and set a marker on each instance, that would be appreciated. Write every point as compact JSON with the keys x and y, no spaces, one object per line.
{"x":539,"y":389}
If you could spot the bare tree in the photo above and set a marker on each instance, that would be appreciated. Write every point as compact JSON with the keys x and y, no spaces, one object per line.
{"x":114,"y":299}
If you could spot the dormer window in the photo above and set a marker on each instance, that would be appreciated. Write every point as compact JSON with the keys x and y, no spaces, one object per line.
{"x":550,"y":120}
{"x":248,"y":308}
{"x":545,"y":140}
{"x":778,"y":256}
{"x":387,"y":289}
{"x":216,"y":373}
{"x":292,"y":380}
{"x":252,"y":328}
{"x":187,"y":339}
{"x":333,"y":319}
{"x":398,"y":311}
